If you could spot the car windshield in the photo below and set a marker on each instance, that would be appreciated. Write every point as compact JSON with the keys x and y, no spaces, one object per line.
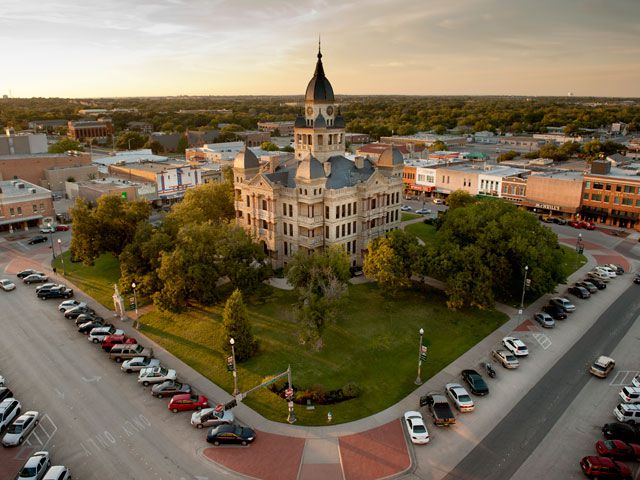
{"x":510,"y":358}
{"x":419,"y":429}
{"x":521,"y":347}
{"x":15,"y":428}
{"x":597,"y":366}
{"x":609,"y":444}
{"x":28,"y":472}
{"x":162,"y":371}
{"x":464,"y":398}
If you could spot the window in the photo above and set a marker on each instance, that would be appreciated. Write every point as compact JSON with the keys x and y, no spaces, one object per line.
{"x":35,"y":208}
{"x":264,"y":204}
{"x":354,"y":227}
{"x":19,"y":210}
{"x":628,"y":189}
{"x":627,"y":201}
{"x":265,"y":225}
{"x":598,"y":185}
{"x":326,"y":212}
{"x":607,"y":186}
{"x":337,"y":211}
{"x":344,"y":210}
{"x":284,"y":209}
{"x":637,"y":203}
{"x":290,"y":210}
{"x":618,"y":188}
{"x":616,"y":200}
{"x":305,"y":191}
{"x":248,"y":201}
{"x":343,"y":229}
{"x":596,"y":196}
{"x":11,"y":211}
{"x":587,"y":184}
{"x":348,"y":228}
{"x":248,"y":219}
{"x":286,"y":250}
{"x":355,"y":209}
{"x":606,"y":198}
{"x":373,"y":204}
{"x":337,"y":231}
{"x":349,"y":209}
{"x":326,"y":231}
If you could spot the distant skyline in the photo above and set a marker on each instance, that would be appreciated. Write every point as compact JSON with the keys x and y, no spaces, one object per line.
{"x":91,"y":48}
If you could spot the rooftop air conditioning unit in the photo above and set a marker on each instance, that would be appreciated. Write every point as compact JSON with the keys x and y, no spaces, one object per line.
{"x":33,"y":190}
{"x":20,"y":185}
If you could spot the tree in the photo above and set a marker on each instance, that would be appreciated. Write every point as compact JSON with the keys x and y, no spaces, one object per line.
{"x":320,"y":280}
{"x":269,"y":147}
{"x":130,"y":141}
{"x":155,"y":146}
{"x":438,"y":146}
{"x":506,"y":156}
{"x":289,"y":148}
{"x":390,"y":260}
{"x":84,"y":239}
{"x":237,"y":326}
{"x":183,"y":144}
{"x":459,"y":198}
{"x":64,"y":145}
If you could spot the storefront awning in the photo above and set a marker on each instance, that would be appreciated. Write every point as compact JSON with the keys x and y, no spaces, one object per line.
{"x":11,"y":221}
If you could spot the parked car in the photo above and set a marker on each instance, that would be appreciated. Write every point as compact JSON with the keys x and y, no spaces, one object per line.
{"x":600,"y":285}
{"x":69,"y":304}
{"x":138,"y":363}
{"x":113,"y":340}
{"x":515,"y":346}
{"x":208,"y":417}
{"x":230,"y":434}
{"x":636,"y":278}
{"x":58,"y":472}
{"x":76,"y":311}
{"x":169,"y":388}
{"x":544,"y":319}
{"x":603,"y":467}
{"x":618,"y":450}
{"x":86,"y":327}
{"x":47,"y":286}
{"x":405,"y":208}
{"x":10,"y":408}
{"x":438,"y":201}
{"x":88,"y":317}
{"x":609,"y":271}
{"x":416,"y":428}
{"x":621,"y":431}
{"x":26,"y":273}
{"x":556,"y":312}
{"x":630,"y":394}
{"x":98,"y":334}
{"x":423,"y":211}
{"x":460,"y":398}
{"x":1,"y":382}
{"x":575,"y":224}
{"x":476,"y":383}
{"x":563,"y":303}
{"x":62,"y":228}
{"x":627,"y":413}
{"x":35,"y":278}
{"x":35,"y":467}
{"x":5,"y":392}
{"x":560,"y":220}
{"x":590,"y":287}
{"x":37,"y":239}
{"x":147,"y":376}
{"x":187,"y":401}
{"x":20,"y":429}
{"x":619,"y":269}
{"x":7,"y":285}
{"x":588,"y":225}
{"x":55,"y":292}
{"x":602,"y":366}
{"x":440,"y":409}
{"x":47,"y":230}
{"x":126,"y":351}
{"x":579,"y":292}
{"x":506,"y":358}
{"x":599,"y":275}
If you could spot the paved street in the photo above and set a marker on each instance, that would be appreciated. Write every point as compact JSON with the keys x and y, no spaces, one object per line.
{"x":501,"y":453}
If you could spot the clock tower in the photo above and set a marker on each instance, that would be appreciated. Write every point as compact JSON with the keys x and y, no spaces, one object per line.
{"x":320,"y":131}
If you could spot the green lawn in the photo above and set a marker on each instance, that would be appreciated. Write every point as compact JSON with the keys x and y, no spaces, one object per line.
{"x":374,"y":344}
{"x":426,"y":233}
{"x":96,"y":281}
{"x":404,"y":216}
{"x":572,"y":260}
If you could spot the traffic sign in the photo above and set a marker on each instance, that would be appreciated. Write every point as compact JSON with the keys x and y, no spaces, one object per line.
{"x":423,"y":352}
{"x":288,"y":393}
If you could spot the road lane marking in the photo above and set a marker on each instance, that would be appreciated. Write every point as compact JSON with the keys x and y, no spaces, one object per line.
{"x":45,"y":429}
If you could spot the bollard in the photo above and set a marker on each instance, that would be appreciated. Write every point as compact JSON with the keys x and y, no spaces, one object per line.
{"x":329,"y":417}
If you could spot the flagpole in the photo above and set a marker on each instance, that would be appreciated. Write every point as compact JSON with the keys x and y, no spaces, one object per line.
{"x":418,"y":379}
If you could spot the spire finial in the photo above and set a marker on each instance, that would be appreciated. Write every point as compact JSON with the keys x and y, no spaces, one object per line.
{"x":319,"y":49}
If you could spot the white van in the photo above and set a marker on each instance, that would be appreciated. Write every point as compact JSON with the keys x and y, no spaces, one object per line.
{"x":9,"y":409}
{"x":627,"y":412}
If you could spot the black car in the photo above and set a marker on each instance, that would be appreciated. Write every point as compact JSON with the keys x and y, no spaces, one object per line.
{"x":556,"y":312}
{"x":76,"y":311}
{"x":37,"y":239}
{"x":560,"y":221}
{"x":621,"y":431}
{"x":88,"y":326}
{"x":588,"y":285}
{"x":88,"y":317}
{"x":169,"y":388}
{"x":579,"y":292}
{"x":230,"y":434}
{"x":600,"y":285}
{"x":55,"y":292}
{"x":475,"y":381}
{"x":5,"y":393}
{"x":26,"y":273}
{"x":636,"y":278}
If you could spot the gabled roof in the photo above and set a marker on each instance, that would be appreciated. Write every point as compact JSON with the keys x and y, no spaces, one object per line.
{"x":344,"y":172}
{"x":246,"y":159}
{"x":310,"y":168}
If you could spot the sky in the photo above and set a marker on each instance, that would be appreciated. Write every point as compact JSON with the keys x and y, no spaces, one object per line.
{"x":103,"y":48}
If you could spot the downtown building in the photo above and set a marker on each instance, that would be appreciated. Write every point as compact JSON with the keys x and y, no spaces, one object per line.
{"x":322,"y":198}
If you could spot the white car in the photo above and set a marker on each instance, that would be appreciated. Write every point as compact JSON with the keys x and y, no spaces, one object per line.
{"x":603,"y":276}
{"x":635,"y":382}
{"x":630,"y":394}
{"x":423,"y":211}
{"x":35,"y":467}
{"x":208,"y":417}
{"x":58,"y":472}
{"x":461,"y":399}
{"x":69,"y":304}
{"x":138,"y":363}
{"x":405,"y":208}
{"x":438,"y":201}
{"x":147,"y":376}
{"x":97,"y":334}
{"x":7,"y":285}
{"x":20,"y":429}
{"x":515,"y":346}
{"x":416,"y":427}
{"x":606,"y":270}
{"x":47,"y":230}
{"x":2,"y":381}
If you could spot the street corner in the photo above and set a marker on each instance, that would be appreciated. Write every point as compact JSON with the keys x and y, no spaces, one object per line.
{"x":616,"y":259}
{"x":377,"y":453}
{"x":526,"y":327}
{"x":18,"y":264}
{"x":269,"y":457}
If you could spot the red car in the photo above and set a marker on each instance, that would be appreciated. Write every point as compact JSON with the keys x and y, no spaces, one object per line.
{"x":188,"y":401}
{"x":575,"y":224}
{"x":603,"y":467}
{"x":111,"y":340}
{"x":587,"y":225}
{"x":618,"y":450}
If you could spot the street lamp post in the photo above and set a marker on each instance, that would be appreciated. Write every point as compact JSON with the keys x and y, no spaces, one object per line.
{"x":129,"y":142}
{"x":135,"y":298}
{"x":235,"y":373}
{"x":418,"y":379}
{"x":53,"y":252}
{"x":524,"y":286}
{"x":61,"y":257}
{"x":579,"y":245}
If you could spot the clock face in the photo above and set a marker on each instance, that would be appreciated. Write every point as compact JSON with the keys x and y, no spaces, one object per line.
{"x":329,"y":110}
{"x":309,"y":110}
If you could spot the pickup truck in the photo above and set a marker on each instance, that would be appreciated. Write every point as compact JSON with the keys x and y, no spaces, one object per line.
{"x":439,"y":408}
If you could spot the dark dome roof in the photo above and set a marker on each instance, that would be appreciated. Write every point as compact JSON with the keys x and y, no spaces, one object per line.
{"x":300,"y":122}
{"x":339,"y":122}
{"x":319,"y":122}
{"x":319,"y":88}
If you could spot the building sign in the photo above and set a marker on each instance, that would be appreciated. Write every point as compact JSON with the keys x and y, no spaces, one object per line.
{"x":548,"y":207}
{"x":422,"y":188}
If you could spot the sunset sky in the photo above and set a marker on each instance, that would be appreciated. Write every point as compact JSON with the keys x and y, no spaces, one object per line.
{"x":91,"y":48}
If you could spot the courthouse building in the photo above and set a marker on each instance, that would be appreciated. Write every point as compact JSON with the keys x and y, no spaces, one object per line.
{"x":324,"y":198}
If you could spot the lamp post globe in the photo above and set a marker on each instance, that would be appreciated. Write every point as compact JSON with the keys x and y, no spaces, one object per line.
{"x":422,"y":331}
{"x":235,"y":373}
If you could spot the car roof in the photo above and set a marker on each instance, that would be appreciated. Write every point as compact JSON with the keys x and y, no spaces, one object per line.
{"x":603,"y":360}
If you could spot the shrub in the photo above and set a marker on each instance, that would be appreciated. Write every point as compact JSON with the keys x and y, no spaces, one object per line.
{"x":351,"y":390}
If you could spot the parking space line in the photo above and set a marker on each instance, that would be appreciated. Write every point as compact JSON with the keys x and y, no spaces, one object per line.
{"x":623,"y":378}
{"x":46,"y":428}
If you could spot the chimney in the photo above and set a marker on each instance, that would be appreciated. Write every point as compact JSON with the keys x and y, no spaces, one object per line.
{"x":601,"y":167}
{"x":327,"y":168}
{"x":359,"y":162}
{"x":274,"y":163}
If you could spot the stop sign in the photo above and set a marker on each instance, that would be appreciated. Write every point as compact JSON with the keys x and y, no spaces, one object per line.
{"x":288,"y":392}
